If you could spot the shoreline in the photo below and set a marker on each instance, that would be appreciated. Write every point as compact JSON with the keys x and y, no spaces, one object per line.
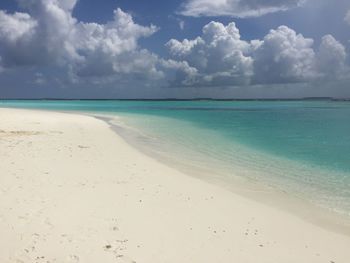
{"x":245,"y":187}
{"x":74,"y":190}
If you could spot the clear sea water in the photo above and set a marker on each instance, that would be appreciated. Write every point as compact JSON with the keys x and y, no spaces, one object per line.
{"x":300,"y":147}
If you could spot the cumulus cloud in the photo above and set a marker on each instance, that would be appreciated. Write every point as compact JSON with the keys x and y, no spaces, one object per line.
{"x":283,"y":57}
{"x":219,"y":55}
{"x":331,"y":58}
{"x":42,"y":35}
{"x":236,"y":8}
{"x":16,"y":33}
{"x":113,"y":47}
{"x":47,"y":35}
{"x":222,"y":58}
{"x":179,"y":73}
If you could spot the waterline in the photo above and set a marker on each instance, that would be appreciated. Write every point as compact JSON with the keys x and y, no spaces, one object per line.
{"x":298,"y":147}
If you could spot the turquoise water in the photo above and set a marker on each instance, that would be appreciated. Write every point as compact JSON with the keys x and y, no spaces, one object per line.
{"x":302,"y":147}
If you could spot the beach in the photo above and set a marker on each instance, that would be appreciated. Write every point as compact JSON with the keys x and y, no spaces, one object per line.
{"x":73,"y":190}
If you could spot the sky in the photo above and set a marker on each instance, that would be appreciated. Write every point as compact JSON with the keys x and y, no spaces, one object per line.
{"x":174,"y":49}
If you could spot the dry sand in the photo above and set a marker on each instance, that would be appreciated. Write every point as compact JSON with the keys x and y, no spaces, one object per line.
{"x":72,"y":190}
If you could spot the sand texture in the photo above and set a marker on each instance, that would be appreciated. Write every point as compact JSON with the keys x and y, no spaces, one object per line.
{"x":72,"y":190}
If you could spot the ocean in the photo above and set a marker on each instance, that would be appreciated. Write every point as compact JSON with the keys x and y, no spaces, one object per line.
{"x":298,"y":147}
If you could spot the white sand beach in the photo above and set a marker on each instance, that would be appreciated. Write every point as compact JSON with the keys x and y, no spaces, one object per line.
{"x":72,"y":190}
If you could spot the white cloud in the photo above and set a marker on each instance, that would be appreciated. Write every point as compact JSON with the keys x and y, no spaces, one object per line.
{"x":16,"y":33}
{"x":284,"y":56}
{"x":236,"y":8}
{"x":179,"y":73}
{"x":113,"y":47}
{"x":16,"y":26}
{"x":115,"y":37}
{"x":49,"y":36}
{"x":41,"y":36}
{"x":219,"y":55}
{"x":222,"y":58}
{"x":331,"y":58}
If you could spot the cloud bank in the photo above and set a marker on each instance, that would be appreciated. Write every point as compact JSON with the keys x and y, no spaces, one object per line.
{"x":45,"y":46}
{"x":236,"y":8}
{"x":49,"y":36}
{"x":221,"y":57}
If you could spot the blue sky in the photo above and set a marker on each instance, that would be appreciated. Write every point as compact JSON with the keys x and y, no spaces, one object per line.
{"x":95,"y":53}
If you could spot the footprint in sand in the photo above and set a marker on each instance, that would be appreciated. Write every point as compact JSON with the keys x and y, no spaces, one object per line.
{"x":117,"y":248}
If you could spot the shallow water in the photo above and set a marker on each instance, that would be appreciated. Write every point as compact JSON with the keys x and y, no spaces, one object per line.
{"x":302,"y":147}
